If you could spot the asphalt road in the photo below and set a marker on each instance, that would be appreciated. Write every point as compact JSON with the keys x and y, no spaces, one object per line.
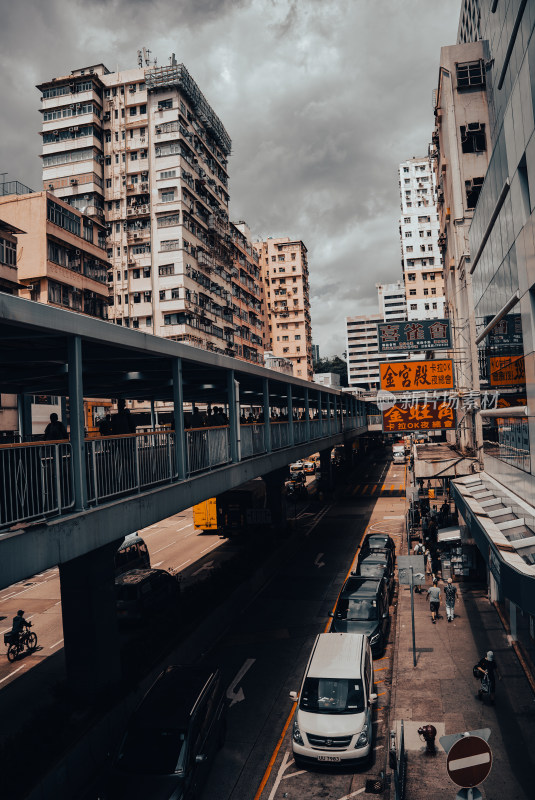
{"x":264,"y":656}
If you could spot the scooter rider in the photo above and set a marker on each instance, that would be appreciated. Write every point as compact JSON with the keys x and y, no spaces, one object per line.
{"x":19,"y":623}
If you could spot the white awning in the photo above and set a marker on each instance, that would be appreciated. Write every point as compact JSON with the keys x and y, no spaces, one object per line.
{"x":449,"y":535}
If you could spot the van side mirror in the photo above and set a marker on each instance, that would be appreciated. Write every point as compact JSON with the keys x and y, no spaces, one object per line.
{"x":331,"y":614}
{"x":294,"y":696}
{"x":373,"y":698}
{"x":201,"y":758}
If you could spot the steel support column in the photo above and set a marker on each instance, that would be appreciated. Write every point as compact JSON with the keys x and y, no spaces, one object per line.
{"x":307,"y":415}
{"x":290,"y":409}
{"x":233,"y":416}
{"x":24,"y":408}
{"x":178,"y":417}
{"x":267,"y":421}
{"x":328,"y":404}
{"x":76,"y":420}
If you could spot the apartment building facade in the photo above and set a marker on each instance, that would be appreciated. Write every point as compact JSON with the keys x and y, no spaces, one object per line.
{"x":460,"y":150}
{"x":62,"y":257}
{"x":392,"y":301}
{"x":143,"y":151}
{"x":9,"y":284}
{"x":288,"y":332}
{"x":419,"y":230}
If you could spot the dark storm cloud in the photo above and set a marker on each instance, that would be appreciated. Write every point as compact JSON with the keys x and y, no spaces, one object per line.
{"x":322,"y":101}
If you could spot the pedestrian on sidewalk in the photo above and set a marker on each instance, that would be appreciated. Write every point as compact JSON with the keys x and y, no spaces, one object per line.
{"x":433,"y":595}
{"x":428,"y":567}
{"x":488,"y":665}
{"x":450,"y":593}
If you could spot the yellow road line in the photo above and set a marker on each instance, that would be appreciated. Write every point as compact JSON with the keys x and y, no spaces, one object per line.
{"x":374,"y":488}
{"x":379,"y":669}
{"x":267,"y":773}
{"x":355,"y":490}
{"x":392,"y":487}
{"x":380,"y":694}
{"x":364,"y":490}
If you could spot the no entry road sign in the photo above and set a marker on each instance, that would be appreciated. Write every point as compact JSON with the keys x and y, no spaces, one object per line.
{"x":469,"y":761}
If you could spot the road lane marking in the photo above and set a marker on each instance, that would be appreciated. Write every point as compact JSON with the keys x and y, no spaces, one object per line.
{"x":183,"y":528}
{"x":363,"y":491}
{"x":283,"y":767}
{"x":293,"y":774}
{"x":184,"y":564}
{"x":207,"y":566}
{"x":12,"y":673}
{"x":374,"y":489}
{"x":355,"y":490}
{"x":55,"y":644}
{"x":165,"y":547}
{"x":274,"y":755}
{"x":353,"y":794}
{"x":157,"y":565}
{"x":237,"y":697}
{"x":209,"y":548}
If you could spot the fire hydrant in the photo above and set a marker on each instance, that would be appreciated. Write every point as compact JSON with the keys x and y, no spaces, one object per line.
{"x":428,"y":733}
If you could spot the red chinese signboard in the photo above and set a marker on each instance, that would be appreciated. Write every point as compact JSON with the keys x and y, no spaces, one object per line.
{"x":417,"y":375}
{"x":418,"y":417}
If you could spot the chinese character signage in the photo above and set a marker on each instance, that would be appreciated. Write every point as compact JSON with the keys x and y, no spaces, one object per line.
{"x":421,"y":417}
{"x":426,"y":334}
{"x":507,"y":370}
{"x":417,"y":375}
{"x":508,"y":331}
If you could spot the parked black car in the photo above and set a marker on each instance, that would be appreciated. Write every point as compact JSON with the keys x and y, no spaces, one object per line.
{"x":377,"y":565}
{"x":172,"y":738}
{"x":140,"y":593}
{"x":379,"y":541}
{"x":362,"y":607}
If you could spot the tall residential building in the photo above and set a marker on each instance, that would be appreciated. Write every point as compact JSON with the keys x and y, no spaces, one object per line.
{"x":460,"y":150}
{"x":288,"y":333}
{"x":362,"y":347}
{"x":142,"y":150}
{"x":419,"y":228}
{"x":392,"y":301}
{"x":9,"y":284}
{"x":62,"y":254}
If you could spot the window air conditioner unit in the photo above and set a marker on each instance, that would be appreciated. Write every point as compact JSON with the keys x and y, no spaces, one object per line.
{"x":31,"y":287}
{"x":474,"y":127}
{"x":56,"y":133}
{"x":76,"y":252}
{"x":50,"y":185}
{"x":73,"y":181}
{"x":76,"y":128}
{"x":71,"y":129}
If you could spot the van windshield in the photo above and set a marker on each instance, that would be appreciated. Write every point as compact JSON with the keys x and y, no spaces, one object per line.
{"x":372,"y":569}
{"x":152,"y":751}
{"x":356,"y":609}
{"x":332,"y":696}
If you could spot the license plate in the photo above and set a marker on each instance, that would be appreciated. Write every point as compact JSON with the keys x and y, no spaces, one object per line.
{"x":329,"y":758}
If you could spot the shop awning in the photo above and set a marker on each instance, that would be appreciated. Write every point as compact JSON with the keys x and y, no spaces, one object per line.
{"x":449,"y":535}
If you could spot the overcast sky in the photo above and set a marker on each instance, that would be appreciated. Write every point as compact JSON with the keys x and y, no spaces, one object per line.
{"x":322,"y":100}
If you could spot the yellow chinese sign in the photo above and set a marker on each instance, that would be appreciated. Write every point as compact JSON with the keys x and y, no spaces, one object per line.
{"x":418,"y":417}
{"x":507,"y":370}
{"x":417,"y":375}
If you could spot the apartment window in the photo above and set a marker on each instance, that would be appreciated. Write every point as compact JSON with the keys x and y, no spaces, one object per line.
{"x":422,"y":248}
{"x":162,"y":294}
{"x":431,"y":276}
{"x":430,"y":247}
{"x":414,"y":306}
{"x":297,"y":337}
{"x":405,"y":169}
{"x":148,"y":321}
{"x":285,"y":338}
{"x":8,"y":253}
{"x":136,"y":273}
{"x":424,"y":219}
{"x":293,"y":256}
{"x":168,"y":195}
{"x":142,"y":110}
{"x":146,"y":272}
{"x":429,"y":233}
{"x":409,"y":205}
{"x":473,"y":189}
{"x":133,"y":111}
{"x":407,"y":220}
{"x":166,"y":269}
{"x":471,"y":73}
{"x":473,"y":138}
{"x":281,"y":258}
{"x":433,"y":290}
{"x":435,"y":305}
{"x":170,"y":244}
{"x":426,"y":292}
{"x":62,"y":217}
{"x":412,"y":292}
{"x":408,"y":234}
{"x":407,"y":181}
{"x":165,"y":104}
{"x":273,"y":258}
{"x":426,"y":306}
{"x":168,"y":173}
{"x":133,"y":156}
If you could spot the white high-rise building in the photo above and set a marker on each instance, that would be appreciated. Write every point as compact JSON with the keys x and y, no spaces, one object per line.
{"x":142,"y":150}
{"x":419,"y":231}
{"x":392,"y":302}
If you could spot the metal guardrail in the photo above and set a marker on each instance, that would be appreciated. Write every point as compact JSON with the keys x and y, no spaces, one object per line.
{"x":36,"y":478}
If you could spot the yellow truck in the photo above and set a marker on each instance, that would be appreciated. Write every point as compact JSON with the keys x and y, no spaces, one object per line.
{"x":240,"y":510}
{"x":205,"y":515}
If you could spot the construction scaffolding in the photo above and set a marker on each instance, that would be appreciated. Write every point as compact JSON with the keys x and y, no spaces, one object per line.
{"x":177,"y":75}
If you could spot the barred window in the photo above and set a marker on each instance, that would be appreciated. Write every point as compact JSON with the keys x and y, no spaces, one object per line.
{"x":62,"y":217}
{"x":171,"y":244}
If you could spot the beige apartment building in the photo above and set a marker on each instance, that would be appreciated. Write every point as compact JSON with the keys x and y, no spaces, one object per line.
{"x":288,"y":333}
{"x":9,"y":284}
{"x":460,"y":151}
{"x":62,"y":253}
{"x":142,"y":150}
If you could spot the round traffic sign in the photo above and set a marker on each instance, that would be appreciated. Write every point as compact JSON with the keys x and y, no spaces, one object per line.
{"x":469,"y":761}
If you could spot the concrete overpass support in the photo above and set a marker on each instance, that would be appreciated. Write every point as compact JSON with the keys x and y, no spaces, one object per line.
{"x":326,"y":469}
{"x":275,"y":497}
{"x":90,"y":632}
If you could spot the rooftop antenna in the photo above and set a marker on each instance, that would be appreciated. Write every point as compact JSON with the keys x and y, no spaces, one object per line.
{"x":173,"y":60}
{"x":139,"y":58}
{"x":146,"y":56}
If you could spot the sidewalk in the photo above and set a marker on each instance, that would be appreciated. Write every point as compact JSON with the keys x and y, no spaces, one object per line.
{"x":441,"y":691}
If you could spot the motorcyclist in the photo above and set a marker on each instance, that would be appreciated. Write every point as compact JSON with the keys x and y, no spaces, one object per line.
{"x":488,"y":665}
{"x":19,"y":623}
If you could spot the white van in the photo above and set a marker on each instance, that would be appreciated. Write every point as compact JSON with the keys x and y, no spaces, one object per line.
{"x":398,"y":453}
{"x":333,"y":720}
